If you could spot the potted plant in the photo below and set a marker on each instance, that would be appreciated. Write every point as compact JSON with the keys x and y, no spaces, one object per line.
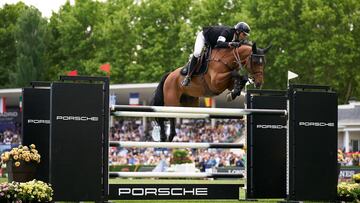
{"x":31,"y":191}
{"x":181,"y":162}
{"x":21,"y":163}
{"x":180,"y":157}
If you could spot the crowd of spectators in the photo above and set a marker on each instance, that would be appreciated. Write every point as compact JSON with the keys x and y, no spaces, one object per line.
{"x":224,"y":131}
{"x":8,"y":137}
{"x":188,"y":131}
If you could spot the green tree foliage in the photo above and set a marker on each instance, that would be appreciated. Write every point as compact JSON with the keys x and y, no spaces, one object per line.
{"x":314,"y":38}
{"x":117,"y":38}
{"x":9,"y":15}
{"x":30,"y":35}
{"x":216,"y":12}
{"x":143,"y":39}
{"x":74,"y":44}
{"x":158,"y":44}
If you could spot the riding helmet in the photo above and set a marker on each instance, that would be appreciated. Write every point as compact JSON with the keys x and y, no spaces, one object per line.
{"x":243,"y":27}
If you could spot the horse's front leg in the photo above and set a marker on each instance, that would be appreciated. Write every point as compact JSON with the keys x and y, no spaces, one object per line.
{"x":239,"y":84}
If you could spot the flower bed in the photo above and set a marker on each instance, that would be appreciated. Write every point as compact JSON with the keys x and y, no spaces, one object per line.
{"x":349,"y":191}
{"x":29,"y":191}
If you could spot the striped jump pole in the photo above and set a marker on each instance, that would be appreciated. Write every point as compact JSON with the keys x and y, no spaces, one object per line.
{"x":173,"y":175}
{"x":176,"y":145}
{"x":222,"y":112}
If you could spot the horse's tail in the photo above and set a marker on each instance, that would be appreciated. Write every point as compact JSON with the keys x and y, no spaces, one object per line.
{"x":158,"y":99}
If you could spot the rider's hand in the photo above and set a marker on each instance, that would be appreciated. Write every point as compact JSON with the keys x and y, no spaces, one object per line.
{"x":234,"y":44}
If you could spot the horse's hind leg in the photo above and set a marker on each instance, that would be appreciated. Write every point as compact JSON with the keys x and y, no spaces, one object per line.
{"x":186,"y":101}
{"x":172,"y":93}
{"x":172,"y":129}
{"x":161,"y":123}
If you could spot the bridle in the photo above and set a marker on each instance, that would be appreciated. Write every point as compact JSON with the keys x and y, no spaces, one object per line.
{"x":254,"y":58}
{"x":258,"y":59}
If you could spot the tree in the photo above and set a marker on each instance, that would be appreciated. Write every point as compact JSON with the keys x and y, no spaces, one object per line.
{"x":158,"y":26}
{"x":9,"y":15}
{"x":73,"y":44}
{"x":315,"y":39}
{"x":217,"y":12}
{"x":116,"y":38}
{"x":30,"y":35}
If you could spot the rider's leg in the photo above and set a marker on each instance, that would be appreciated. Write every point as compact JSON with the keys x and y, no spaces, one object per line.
{"x":199,"y":45}
{"x":191,"y":68}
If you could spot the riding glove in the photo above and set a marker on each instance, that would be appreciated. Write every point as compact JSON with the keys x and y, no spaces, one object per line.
{"x":234,"y":44}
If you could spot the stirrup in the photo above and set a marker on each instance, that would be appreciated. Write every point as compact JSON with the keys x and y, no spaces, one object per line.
{"x":186,"y":81}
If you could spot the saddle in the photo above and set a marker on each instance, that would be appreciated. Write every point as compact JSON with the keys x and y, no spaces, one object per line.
{"x":202,"y":65}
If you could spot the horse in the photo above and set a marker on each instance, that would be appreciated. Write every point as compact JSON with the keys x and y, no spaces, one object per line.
{"x":224,"y":65}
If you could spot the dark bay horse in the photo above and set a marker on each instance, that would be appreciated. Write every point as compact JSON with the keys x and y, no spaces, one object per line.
{"x":223,"y":73}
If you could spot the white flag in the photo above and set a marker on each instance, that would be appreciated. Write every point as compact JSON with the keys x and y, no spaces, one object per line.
{"x":292,"y":75}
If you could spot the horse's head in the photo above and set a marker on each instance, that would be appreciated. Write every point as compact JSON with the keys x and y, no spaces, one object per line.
{"x":255,"y":64}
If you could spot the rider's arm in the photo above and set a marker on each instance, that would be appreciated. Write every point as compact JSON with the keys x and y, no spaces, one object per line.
{"x":221,"y":41}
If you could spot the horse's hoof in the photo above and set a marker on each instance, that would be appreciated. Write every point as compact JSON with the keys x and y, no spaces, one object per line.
{"x":229,"y":97}
{"x":171,"y":137}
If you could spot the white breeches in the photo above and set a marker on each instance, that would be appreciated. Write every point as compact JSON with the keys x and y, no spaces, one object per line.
{"x":199,"y":44}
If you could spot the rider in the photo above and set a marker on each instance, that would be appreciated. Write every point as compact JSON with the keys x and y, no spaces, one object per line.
{"x":219,"y":37}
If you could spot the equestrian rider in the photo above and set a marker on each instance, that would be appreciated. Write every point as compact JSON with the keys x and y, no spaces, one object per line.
{"x":218,"y":37}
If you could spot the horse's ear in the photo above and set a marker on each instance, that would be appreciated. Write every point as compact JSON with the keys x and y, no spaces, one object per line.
{"x":254,"y":50}
{"x":267,"y":48}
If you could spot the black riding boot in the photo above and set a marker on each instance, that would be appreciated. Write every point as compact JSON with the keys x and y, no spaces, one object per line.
{"x":190,"y":70}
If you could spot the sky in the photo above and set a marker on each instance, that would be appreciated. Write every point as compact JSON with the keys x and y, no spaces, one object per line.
{"x":45,"y":6}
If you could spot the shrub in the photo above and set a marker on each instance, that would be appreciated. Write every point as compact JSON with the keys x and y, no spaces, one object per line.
{"x":180,"y":157}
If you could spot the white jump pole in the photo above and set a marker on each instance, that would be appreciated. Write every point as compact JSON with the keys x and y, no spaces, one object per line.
{"x":197,"y":110}
{"x":176,"y":145}
{"x":174,"y":175}
{"x":159,"y":114}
